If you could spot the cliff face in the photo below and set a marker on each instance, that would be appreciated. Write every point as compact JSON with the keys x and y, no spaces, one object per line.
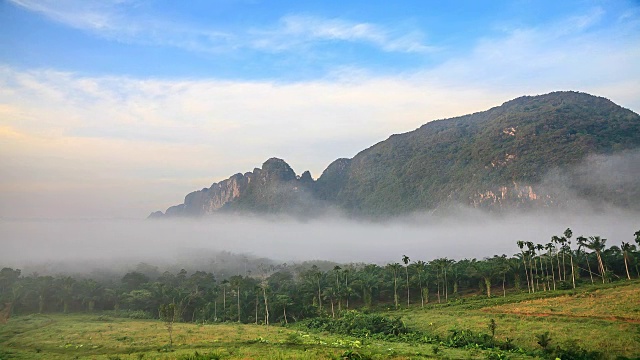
{"x":495,"y":159}
{"x":274,"y":187}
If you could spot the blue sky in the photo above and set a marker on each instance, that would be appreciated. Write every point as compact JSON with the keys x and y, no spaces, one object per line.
{"x":120,"y":107}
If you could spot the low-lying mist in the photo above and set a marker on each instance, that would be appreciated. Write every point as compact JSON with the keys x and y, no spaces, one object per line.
{"x":81,"y":246}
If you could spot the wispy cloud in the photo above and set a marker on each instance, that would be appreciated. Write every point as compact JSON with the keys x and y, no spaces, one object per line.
{"x":296,"y":30}
{"x":115,"y":20}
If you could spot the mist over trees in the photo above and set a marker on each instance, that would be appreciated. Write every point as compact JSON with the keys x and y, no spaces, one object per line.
{"x":254,"y":290}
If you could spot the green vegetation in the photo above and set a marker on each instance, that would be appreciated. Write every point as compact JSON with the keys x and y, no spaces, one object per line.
{"x":549,"y":301}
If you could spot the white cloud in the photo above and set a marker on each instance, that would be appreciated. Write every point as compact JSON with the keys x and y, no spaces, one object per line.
{"x":296,"y":30}
{"x":115,"y":20}
{"x":152,"y":140}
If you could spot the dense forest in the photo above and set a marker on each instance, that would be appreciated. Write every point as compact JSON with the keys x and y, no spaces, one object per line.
{"x":285,"y":293}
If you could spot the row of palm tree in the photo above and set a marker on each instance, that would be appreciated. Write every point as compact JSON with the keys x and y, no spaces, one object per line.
{"x":284,"y":293}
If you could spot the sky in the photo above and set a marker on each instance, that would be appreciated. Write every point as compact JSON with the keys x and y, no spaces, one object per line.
{"x":112,"y":109}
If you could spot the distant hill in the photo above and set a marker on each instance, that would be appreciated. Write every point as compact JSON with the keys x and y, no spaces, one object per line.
{"x":498,"y":159}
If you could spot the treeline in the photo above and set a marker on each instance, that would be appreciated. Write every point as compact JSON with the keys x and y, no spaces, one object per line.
{"x":282,"y":293}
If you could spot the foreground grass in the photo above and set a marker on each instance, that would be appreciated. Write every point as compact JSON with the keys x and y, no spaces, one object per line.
{"x":596,"y":318}
{"x":604,"y":318}
{"x":102,"y":337}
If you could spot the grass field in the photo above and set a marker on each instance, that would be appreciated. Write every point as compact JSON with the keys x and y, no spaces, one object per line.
{"x":601,"y":318}
{"x":605,"y":319}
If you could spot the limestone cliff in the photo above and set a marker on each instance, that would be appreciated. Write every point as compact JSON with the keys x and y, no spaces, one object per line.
{"x":274,"y":187}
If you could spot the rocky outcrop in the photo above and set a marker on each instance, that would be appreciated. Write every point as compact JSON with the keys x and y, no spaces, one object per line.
{"x":275,"y":186}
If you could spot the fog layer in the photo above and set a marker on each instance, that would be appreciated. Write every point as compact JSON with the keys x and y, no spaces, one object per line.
{"x":469,"y":234}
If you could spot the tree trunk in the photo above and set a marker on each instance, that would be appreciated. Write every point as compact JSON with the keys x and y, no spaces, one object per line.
{"x":487,"y":283}
{"x":395,"y":289}
{"x":553,"y":275}
{"x":626,"y":267}
{"x":407,"y":271}
{"x":333,"y":314}
{"x":346,"y":284}
{"x":601,"y":266}
{"x":446,"y":287}
{"x":558,"y":258}
{"x":586,"y":257}
{"x":266,"y":306}
{"x":526,"y":274}
{"x":564,"y":267}
{"x":421,"y":291}
{"x":573,"y":275}
{"x":239,"y":304}
{"x":533,"y":287}
{"x":284,"y":310}
{"x":319,"y":297}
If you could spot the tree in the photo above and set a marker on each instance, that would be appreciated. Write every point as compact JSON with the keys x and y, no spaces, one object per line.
{"x":520,"y":244}
{"x":225,"y":284}
{"x":421,"y":271}
{"x":235,"y":282}
{"x":626,"y":249}
{"x":394,"y":268}
{"x":66,"y":287}
{"x":167,"y":314}
{"x":597,"y":244}
{"x":405,"y":260}
{"x":485,"y":270}
{"x":568,"y":234}
{"x":582,"y":243}
{"x":549,"y":247}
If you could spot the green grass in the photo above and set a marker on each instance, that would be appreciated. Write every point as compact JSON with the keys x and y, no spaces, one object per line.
{"x":602,"y":318}
{"x":100,"y":337}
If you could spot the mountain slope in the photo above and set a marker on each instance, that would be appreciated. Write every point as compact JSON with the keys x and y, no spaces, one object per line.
{"x":495,"y":158}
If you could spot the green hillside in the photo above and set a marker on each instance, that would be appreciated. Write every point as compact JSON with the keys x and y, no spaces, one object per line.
{"x":454,"y":159}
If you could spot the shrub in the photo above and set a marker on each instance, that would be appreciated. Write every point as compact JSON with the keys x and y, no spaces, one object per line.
{"x":358,"y":324}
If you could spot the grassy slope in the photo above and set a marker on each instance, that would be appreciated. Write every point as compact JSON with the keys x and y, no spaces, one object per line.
{"x":601,"y":318}
{"x":91,"y":337}
{"x":604,"y":318}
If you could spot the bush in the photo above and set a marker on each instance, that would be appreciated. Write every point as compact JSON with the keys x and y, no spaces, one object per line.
{"x":358,"y":324}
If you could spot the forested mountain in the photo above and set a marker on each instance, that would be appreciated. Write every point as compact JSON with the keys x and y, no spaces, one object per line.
{"x":499,"y":159}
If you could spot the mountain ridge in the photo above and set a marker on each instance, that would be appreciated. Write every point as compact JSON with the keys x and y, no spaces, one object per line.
{"x":495,"y":158}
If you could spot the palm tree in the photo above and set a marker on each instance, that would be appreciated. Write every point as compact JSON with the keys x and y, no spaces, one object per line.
{"x":368,"y":280}
{"x":532,"y":254}
{"x":442,"y":265}
{"x":549,"y":247}
{"x":568,"y":234}
{"x":235,"y":282}
{"x":626,"y":248}
{"x":543,"y":270}
{"x":582,"y":243}
{"x":394,"y":268}
{"x":524,"y":262}
{"x":336,"y":270}
{"x":421,"y":270}
{"x":405,"y":260}
{"x":225,"y":283}
{"x":597,"y":244}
